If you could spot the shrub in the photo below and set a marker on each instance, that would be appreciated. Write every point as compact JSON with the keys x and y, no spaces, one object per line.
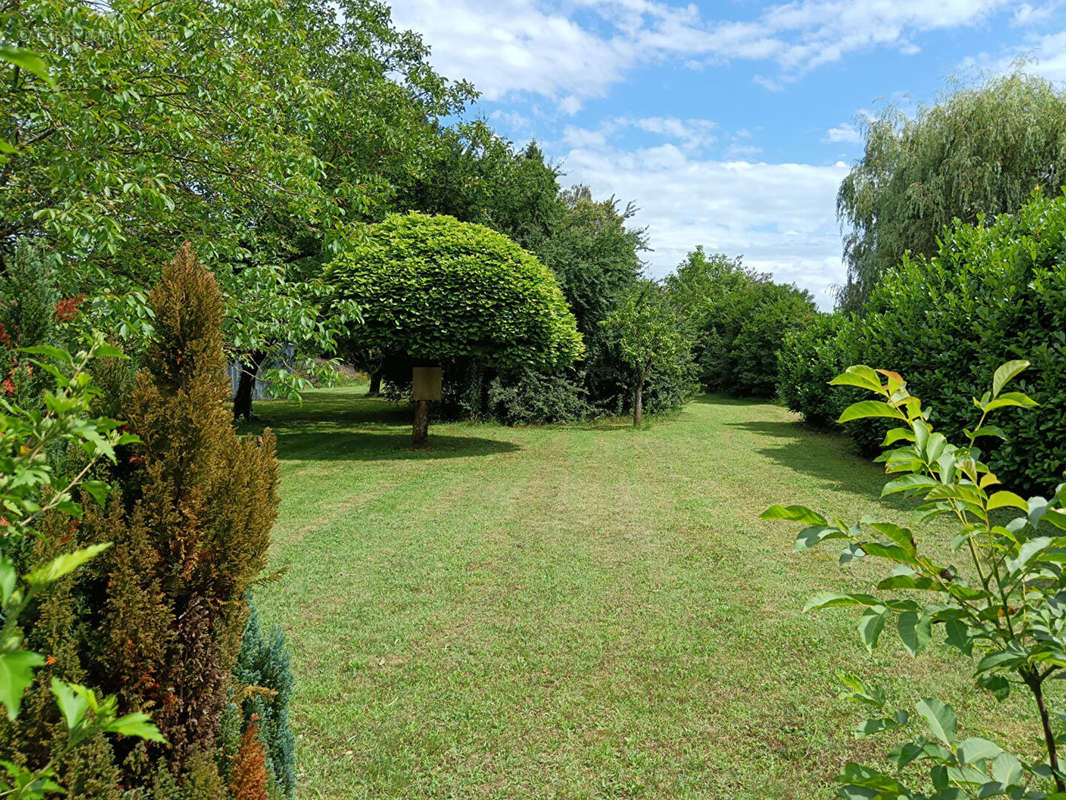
{"x":809,"y":359}
{"x":990,"y":294}
{"x":263,"y":669}
{"x":1000,"y":603}
{"x":249,"y":777}
{"x":526,"y":397}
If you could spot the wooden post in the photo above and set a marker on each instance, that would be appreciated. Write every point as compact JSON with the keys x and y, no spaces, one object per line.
{"x":420,"y":433}
{"x":425,"y":386}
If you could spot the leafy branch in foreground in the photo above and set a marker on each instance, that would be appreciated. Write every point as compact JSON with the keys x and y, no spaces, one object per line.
{"x":1005,"y":607}
{"x":30,"y":488}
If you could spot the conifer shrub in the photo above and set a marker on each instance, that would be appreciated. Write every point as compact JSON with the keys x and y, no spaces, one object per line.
{"x":264,"y":672}
{"x":195,"y":526}
{"x":249,"y":777}
{"x":158,"y":619}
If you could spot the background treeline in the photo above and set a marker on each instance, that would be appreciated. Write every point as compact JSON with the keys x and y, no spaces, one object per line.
{"x":956,"y":229}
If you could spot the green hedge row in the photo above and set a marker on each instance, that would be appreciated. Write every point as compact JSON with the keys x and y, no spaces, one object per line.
{"x":992,"y":293}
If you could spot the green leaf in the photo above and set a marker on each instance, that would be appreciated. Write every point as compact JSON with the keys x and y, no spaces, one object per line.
{"x":1006,"y":499}
{"x":907,"y":483}
{"x":958,"y":635}
{"x":813,"y":534}
{"x":833,"y":599}
{"x":866,"y":409}
{"x":1028,"y":551}
{"x":72,"y":704}
{"x":901,"y":536}
{"x":1007,"y":769}
{"x":897,"y":435}
{"x":27,"y":60}
{"x":1010,"y":400}
{"x":941,"y":719}
{"x":870,"y":626}
{"x":8,"y":579}
{"x":996,"y":685}
{"x":136,"y":724}
{"x":16,"y":674}
{"x":859,"y":375}
{"x":915,"y":630}
{"x":63,"y":565}
{"x":1005,"y":373}
{"x":98,"y":490}
{"x":794,"y":514}
{"x":976,"y":749}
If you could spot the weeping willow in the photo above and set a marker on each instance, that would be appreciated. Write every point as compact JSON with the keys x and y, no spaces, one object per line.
{"x":978,"y":153}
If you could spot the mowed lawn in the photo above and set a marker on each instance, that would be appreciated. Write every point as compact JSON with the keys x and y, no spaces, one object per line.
{"x":575,"y":612}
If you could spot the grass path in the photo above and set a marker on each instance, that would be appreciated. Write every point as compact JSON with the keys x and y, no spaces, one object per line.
{"x":573,"y":612}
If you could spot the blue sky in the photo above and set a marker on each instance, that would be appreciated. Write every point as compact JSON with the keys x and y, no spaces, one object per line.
{"x":728,"y":124}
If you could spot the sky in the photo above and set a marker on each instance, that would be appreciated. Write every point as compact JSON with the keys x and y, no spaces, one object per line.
{"x":728,"y":124}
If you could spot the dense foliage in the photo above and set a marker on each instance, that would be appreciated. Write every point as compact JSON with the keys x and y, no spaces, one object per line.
{"x":646,"y":332}
{"x":999,"y":604}
{"x":258,"y":130}
{"x":434,"y":288}
{"x":736,"y":318}
{"x":980,"y":152}
{"x":157,"y":618}
{"x":990,"y":293}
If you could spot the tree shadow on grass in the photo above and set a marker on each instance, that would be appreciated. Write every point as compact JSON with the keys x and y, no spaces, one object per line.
{"x":825,"y":455}
{"x":349,"y":445}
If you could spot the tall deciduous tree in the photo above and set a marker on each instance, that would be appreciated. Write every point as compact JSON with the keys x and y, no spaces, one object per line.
{"x":980,"y":152}
{"x":260,"y":130}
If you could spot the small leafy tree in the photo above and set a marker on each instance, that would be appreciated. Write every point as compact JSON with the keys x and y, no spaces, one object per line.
{"x":646,"y":332}
{"x":432,"y":288}
{"x":1003,"y":605}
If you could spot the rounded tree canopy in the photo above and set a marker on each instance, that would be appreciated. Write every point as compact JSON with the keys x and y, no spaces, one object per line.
{"x":432,"y":287}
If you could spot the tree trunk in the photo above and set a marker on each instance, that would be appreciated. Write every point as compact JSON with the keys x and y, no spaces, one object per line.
{"x":420,"y":432}
{"x":375,"y":385}
{"x":242,"y":400}
{"x":638,"y":404}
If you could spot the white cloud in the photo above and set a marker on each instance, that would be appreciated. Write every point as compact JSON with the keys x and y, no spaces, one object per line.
{"x":845,"y":132}
{"x":689,"y":134}
{"x":780,"y":217}
{"x":533,"y":46}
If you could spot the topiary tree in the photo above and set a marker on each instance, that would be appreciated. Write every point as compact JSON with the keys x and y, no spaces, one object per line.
{"x":433,"y":288}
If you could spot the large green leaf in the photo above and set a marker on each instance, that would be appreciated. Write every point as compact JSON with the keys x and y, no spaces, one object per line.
{"x":859,"y":375}
{"x":941,"y":719}
{"x":72,"y":704}
{"x":16,"y":674}
{"x":866,"y":409}
{"x":915,"y":630}
{"x":870,"y":626}
{"x":794,"y":514}
{"x":1005,"y":373}
{"x":137,"y":724}
{"x":27,"y":60}
{"x":908,"y":482}
{"x":833,"y":599}
{"x":977,"y":749}
{"x":63,"y":565}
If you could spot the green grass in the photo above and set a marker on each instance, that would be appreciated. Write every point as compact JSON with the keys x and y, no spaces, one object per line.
{"x":575,"y":612}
